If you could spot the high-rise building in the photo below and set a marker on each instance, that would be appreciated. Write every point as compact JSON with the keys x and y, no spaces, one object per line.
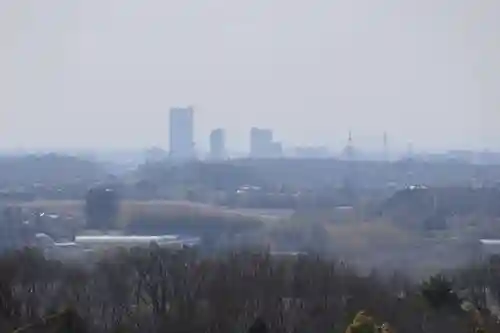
{"x":260,"y":142}
{"x":218,"y":144}
{"x":182,"y":133}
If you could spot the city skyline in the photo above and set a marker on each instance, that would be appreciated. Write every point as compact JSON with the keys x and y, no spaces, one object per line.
{"x":103,"y":75}
{"x":262,"y":143}
{"x":202,"y":146}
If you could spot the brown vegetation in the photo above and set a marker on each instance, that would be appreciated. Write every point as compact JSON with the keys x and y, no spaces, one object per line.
{"x":162,"y":291}
{"x":132,"y":210}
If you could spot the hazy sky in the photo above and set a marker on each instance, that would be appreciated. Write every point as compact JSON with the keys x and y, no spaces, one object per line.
{"x":103,"y":73}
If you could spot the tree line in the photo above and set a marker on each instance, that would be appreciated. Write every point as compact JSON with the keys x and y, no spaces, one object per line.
{"x":156,"y":290}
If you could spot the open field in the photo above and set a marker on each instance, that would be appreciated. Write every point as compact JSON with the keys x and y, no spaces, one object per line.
{"x":157,"y":208}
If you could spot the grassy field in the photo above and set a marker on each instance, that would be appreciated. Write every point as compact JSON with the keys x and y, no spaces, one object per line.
{"x":158,"y":208}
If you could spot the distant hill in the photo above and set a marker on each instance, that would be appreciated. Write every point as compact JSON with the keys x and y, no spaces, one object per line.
{"x":49,"y":169}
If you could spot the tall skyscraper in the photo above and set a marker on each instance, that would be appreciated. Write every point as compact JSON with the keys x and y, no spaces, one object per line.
{"x":262,"y":144}
{"x":218,"y":144}
{"x":182,"y":133}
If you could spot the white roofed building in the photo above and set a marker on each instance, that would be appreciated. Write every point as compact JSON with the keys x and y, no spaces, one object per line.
{"x":490,"y":247}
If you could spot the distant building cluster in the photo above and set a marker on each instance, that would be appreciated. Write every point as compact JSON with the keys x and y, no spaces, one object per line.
{"x":264,"y":146}
{"x":182,"y":144}
{"x":262,"y":142}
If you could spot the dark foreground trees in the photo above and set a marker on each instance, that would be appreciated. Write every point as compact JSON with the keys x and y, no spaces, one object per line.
{"x":161,"y":291}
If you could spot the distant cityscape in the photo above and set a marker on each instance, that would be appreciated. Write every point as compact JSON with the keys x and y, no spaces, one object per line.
{"x":263,"y":145}
{"x":262,"y":142}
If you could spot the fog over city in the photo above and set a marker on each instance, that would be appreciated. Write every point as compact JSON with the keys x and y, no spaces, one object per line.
{"x":103,"y":74}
